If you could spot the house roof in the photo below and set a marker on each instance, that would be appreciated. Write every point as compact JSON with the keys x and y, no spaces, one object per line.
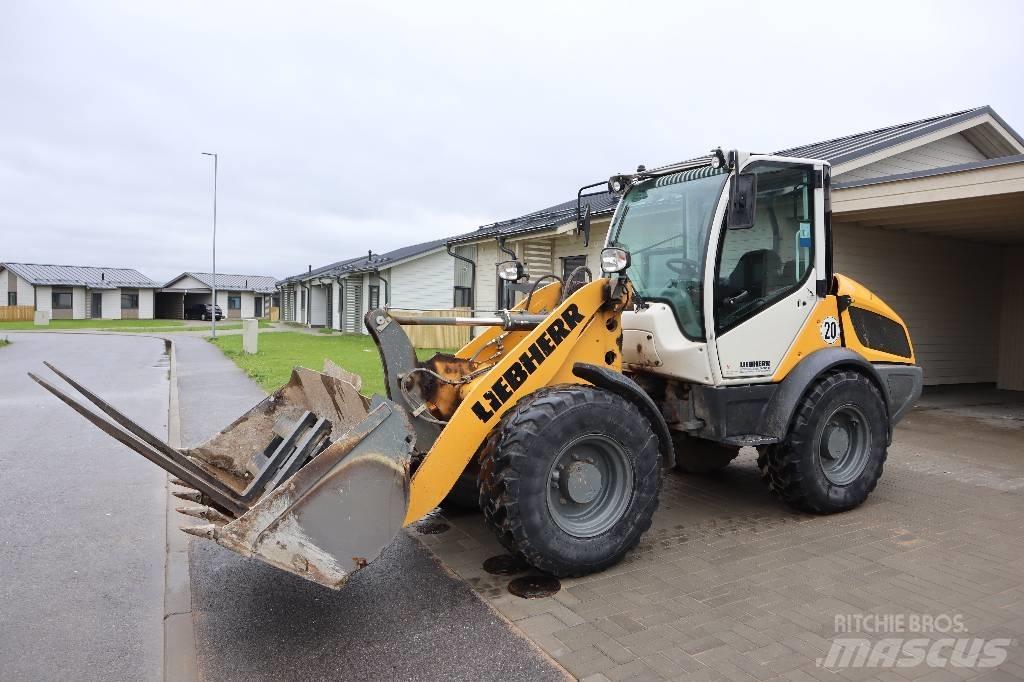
{"x":368,"y":263}
{"x":835,"y":151}
{"x":80,"y":276}
{"x":851,"y":147}
{"x":260,"y":284}
{"x":544,"y":219}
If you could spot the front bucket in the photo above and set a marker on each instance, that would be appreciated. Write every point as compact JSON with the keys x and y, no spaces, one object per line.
{"x":312,"y":480}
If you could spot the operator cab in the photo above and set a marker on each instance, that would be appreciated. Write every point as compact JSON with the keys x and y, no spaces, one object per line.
{"x":716,"y":245}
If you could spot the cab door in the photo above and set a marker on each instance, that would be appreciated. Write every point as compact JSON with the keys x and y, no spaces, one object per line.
{"x":764,"y":285}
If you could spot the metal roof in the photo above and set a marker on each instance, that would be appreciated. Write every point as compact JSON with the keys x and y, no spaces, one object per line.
{"x":544,"y":219}
{"x":368,"y":263}
{"x":80,"y":276}
{"x":260,"y":284}
{"x":850,"y":147}
{"x":835,"y":151}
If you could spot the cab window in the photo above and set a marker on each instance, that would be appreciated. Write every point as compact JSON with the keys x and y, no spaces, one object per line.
{"x":762,"y":264}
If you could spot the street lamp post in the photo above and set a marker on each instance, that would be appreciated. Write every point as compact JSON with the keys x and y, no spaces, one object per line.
{"x":213,"y":315}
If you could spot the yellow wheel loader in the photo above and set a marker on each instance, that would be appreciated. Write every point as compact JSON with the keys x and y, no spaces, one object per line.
{"x":716,"y":323}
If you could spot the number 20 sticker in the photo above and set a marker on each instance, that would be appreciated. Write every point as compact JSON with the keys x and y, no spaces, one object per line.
{"x":829,"y":330}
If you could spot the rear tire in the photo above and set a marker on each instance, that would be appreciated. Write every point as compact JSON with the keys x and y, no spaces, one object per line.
{"x":834,"y":453}
{"x":700,"y":456}
{"x":570,"y":479}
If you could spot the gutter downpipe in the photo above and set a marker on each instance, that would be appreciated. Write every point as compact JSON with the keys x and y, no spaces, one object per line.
{"x":472,"y":281}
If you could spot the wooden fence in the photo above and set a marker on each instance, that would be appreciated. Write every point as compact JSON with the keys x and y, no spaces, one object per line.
{"x":436,"y":336}
{"x":17,"y":313}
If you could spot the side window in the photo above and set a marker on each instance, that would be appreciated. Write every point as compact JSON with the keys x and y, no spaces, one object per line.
{"x":569,"y":266}
{"x":765,"y":263}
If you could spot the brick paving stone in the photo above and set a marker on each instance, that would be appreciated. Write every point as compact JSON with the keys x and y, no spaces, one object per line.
{"x":729,"y":584}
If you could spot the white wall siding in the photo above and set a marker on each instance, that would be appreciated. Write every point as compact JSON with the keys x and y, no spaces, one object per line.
{"x":336,"y":302}
{"x":26,"y":294}
{"x":486,"y":292}
{"x":944,"y":289}
{"x":248,"y":311}
{"x":146,"y":304}
{"x":427,"y":283}
{"x":949,"y":151}
{"x":1011,"y":332}
{"x":44,"y":301}
{"x":187,"y":282}
{"x":318,"y":306}
{"x":572,"y":245}
{"x":111,"y":304}
{"x":78,"y":303}
{"x":352,"y":321}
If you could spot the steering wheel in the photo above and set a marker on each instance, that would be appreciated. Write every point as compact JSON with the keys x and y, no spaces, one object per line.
{"x":680,"y":266}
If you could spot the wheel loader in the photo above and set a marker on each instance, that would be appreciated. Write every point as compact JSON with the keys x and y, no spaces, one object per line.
{"x":715,"y":323}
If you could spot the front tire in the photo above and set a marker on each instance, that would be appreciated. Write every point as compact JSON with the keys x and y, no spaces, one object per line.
{"x":834,"y":453}
{"x":570,"y":479}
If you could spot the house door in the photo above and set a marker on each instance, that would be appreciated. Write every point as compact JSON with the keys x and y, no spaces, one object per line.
{"x":257,"y":305}
{"x":96,"y":309}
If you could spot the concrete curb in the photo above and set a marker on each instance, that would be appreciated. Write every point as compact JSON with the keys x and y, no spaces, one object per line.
{"x":179,"y":626}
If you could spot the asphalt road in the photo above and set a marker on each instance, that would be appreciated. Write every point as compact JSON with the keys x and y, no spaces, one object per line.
{"x":81,"y":516}
{"x":403,"y":617}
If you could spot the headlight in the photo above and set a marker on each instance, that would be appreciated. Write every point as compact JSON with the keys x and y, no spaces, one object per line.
{"x":510,"y":271}
{"x":614,"y":259}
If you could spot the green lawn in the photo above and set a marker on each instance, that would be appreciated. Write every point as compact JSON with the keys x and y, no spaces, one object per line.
{"x":281,"y":351}
{"x":126,"y":325}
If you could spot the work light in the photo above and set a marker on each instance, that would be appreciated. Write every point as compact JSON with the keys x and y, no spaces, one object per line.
{"x":617,"y":184}
{"x":510,"y":271}
{"x":614,"y":259}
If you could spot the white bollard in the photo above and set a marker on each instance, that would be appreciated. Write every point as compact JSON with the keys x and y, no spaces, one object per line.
{"x":42,"y":318}
{"x":250,"y":336}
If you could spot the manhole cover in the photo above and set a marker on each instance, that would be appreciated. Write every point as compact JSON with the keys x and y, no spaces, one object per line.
{"x":534,"y":586}
{"x":505,"y":564}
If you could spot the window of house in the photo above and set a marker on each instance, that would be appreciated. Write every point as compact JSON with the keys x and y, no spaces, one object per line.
{"x":234,"y":302}
{"x":129,"y":300}
{"x":462,"y":297}
{"x":303,"y":299}
{"x":12,"y":298}
{"x":569,"y":265}
{"x":374,"y":295}
{"x":61,"y":299}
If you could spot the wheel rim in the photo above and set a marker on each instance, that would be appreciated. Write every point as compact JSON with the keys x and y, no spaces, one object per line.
{"x":844,"y":445}
{"x":590,"y":485}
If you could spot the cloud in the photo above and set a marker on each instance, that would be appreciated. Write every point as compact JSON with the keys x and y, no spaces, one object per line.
{"x":348,"y":127}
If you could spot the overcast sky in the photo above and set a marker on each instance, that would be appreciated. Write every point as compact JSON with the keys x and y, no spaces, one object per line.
{"x":343,"y":128}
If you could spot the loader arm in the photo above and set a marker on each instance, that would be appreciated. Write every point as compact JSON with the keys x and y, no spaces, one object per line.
{"x":582,"y":328}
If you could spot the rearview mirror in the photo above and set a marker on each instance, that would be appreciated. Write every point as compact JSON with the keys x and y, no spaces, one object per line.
{"x":742,"y":209}
{"x":583,"y":225}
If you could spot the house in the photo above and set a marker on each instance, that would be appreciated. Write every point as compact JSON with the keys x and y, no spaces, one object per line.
{"x":77,"y":292}
{"x":239,"y":296}
{"x":928,"y":214}
{"x":418,"y":277}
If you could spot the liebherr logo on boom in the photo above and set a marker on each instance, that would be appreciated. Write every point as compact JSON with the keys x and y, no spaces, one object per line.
{"x":515,"y":376}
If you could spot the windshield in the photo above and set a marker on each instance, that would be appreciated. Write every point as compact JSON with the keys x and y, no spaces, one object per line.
{"x":664,"y":224}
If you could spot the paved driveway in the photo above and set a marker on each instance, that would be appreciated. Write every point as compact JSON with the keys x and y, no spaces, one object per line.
{"x":731,"y":585}
{"x":403,"y":617}
{"x":81,"y":516}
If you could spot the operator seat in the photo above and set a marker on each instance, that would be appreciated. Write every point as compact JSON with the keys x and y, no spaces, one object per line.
{"x":757,"y":272}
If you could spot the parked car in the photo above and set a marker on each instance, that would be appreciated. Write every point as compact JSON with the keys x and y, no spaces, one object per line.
{"x":202,"y":311}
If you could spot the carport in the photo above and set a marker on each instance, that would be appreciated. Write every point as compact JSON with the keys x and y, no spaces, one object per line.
{"x":945,"y":248}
